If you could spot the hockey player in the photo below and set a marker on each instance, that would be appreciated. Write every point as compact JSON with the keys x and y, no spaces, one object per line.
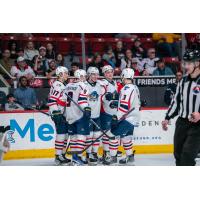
{"x":129,"y":98}
{"x":4,"y":144}
{"x":109,"y":105}
{"x":56,"y":109}
{"x":78,"y":120}
{"x":95,"y":92}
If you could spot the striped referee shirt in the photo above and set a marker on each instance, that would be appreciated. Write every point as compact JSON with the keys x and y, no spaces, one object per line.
{"x":186,"y":99}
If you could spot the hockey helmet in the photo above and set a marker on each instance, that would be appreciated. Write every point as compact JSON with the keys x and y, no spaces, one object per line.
{"x":106,"y":68}
{"x":191,"y":55}
{"x":92,"y":70}
{"x":79,"y":73}
{"x":127,"y":73}
{"x":60,"y":70}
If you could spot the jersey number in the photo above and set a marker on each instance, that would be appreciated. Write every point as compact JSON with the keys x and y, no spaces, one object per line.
{"x":124,"y":97}
{"x":54,"y":93}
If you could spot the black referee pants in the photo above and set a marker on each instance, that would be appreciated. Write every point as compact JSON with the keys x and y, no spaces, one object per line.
{"x":186,"y":142}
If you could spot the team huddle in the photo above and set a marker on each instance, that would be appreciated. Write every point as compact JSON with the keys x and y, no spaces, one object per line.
{"x":90,"y":112}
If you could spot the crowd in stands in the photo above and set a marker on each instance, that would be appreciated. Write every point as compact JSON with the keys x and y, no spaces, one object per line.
{"x":24,"y":63}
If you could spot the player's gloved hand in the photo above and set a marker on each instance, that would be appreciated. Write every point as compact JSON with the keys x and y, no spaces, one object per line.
{"x":109,"y":96}
{"x":114,"y":104}
{"x":114,"y":122}
{"x":87,"y":112}
{"x":57,"y":116}
{"x":112,"y":96}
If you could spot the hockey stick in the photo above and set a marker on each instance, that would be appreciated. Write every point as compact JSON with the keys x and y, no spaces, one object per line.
{"x":92,"y":121}
{"x":31,"y":108}
{"x":80,"y":152}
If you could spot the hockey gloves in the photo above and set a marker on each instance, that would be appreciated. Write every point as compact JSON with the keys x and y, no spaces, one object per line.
{"x":87,"y":112}
{"x":57,"y":116}
{"x":111,"y":96}
{"x":114,"y":104}
{"x":114,"y":122}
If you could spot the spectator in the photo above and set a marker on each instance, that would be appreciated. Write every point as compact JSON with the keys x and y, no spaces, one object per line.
{"x":22,"y":69}
{"x":52,"y":69}
{"x":50,"y":52}
{"x":30,"y":51}
{"x":69,"y":59}
{"x":119,"y":53}
{"x":167,"y":45}
{"x":149,"y":64}
{"x":6,"y":62}
{"x":25,"y":95}
{"x":138,"y":50}
{"x":109,"y":57}
{"x":59,"y":60}
{"x":2,"y":100}
{"x":135,"y":66}
{"x":39,"y":66}
{"x":11,"y":104}
{"x":126,"y":62}
{"x":171,"y":89}
{"x":44,"y":60}
{"x":97,"y":62}
{"x":20,"y":52}
{"x":162,"y":69}
{"x":74,"y":67}
{"x":13,"y":50}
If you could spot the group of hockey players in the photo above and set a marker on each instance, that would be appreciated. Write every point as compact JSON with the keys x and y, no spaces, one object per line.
{"x":90,"y":112}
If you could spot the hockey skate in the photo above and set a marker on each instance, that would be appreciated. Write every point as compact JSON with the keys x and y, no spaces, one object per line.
{"x":197,"y":159}
{"x":112,"y":160}
{"x":62,"y":160}
{"x":106,"y":156}
{"x":92,"y":159}
{"x":78,"y":160}
{"x":129,"y":160}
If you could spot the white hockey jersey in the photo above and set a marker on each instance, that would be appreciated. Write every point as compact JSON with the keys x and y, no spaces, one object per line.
{"x":54,"y":100}
{"x":129,"y":98}
{"x":79,"y":93}
{"x":107,"y":105}
{"x":96,"y":91}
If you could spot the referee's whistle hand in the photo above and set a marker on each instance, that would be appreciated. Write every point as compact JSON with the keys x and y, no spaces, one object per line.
{"x":165,"y":125}
{"x":195,"y":117}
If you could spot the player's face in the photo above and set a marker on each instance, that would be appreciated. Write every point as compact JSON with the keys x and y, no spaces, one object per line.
{"x":65,"y":76}
{"x":82,"y":78}
{"x":109,"y":74}
{"x":189,"y":66}
{"x":94,"y":77}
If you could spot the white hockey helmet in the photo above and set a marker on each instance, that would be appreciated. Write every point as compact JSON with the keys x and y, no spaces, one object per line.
{"x":61,"y":69}
{"x":106,"y":68}
{"x":127,"y":73}
{"x":79,"y":73}
{"x":92,"y":70}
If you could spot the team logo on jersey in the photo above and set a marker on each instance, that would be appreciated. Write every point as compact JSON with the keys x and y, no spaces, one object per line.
{"x":93,"y":96}
{"x":10,"y":136}
{"x":196,"y":89}
{"x":126,"y":87}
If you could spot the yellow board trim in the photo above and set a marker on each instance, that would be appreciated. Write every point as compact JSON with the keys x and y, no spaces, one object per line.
{"x":49,"y":153}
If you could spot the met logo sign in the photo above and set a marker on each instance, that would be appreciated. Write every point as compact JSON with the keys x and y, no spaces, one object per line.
{"x":45,"y":132}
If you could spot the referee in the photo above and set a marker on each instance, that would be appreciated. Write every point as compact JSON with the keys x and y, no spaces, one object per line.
{"x":186,"y":104}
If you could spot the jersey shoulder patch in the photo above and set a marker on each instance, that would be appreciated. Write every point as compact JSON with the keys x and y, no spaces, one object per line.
{"x":126,"y":87}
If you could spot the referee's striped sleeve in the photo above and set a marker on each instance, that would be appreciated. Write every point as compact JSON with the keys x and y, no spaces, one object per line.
{"x":175,"y":104}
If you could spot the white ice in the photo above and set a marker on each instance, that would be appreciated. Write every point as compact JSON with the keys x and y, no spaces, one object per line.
{"x":140,"y":160}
